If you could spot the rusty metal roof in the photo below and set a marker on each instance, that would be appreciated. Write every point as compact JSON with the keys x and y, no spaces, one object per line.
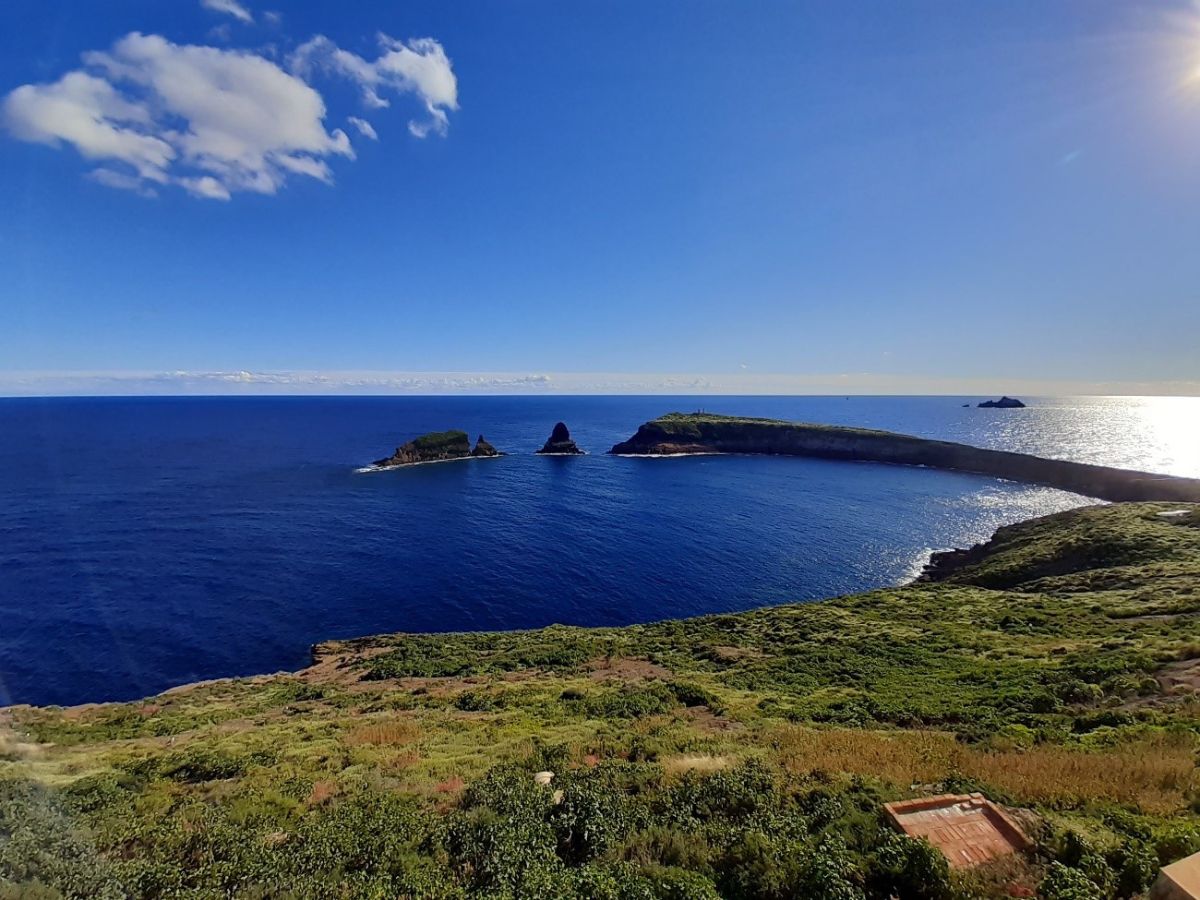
{"x":968,"y":828}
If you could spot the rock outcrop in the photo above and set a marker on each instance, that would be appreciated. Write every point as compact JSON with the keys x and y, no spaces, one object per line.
{"x":483,"y":448}
{"x":1002,"y":403}
{"x":699,"y":433}
{"x":560,"y":443}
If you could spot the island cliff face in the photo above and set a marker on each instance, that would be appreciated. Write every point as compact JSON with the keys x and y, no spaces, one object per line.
{"x":560,"y":443}
{"x":699,"y":433}
{"x":437,"y":446}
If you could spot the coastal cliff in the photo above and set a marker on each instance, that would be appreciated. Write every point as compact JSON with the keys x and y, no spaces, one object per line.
{"x":699,"y":433}
{"x":1057,"y":672}
{"x":437,"y":446}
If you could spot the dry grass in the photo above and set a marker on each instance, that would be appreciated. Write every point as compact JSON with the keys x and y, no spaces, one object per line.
{"x":322,"y":792}
{"x":392,"y":732}
{"x":694,"y":762}
{"x":1155,"y":774}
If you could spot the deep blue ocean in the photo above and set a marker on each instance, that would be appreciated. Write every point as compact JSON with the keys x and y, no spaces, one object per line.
{"x":153,"y":541}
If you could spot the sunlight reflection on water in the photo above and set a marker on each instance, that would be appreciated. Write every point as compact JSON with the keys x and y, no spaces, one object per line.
{"x":1156,"y":434}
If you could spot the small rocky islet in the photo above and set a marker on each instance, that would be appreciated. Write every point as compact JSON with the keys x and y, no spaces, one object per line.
{"x":560,"y":444}
{"x":444,"y":446}
{"x":1004,"y":402}
{"x":437,"y":446}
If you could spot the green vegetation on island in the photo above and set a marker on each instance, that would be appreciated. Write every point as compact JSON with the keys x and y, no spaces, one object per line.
{"x":746,"y":755}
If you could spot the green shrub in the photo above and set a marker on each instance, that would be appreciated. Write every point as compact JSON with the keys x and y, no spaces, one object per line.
{"x":1136,"y":865}
{"x":590,"y":817}
{"x":1077,"y":853}
{"x":1064,"y":883}
{"x":904,"y":867}
{"x":733,"y":794}
{"x":661,"y":845}
{"x":630,"y":702}
{"x":45,"y":852}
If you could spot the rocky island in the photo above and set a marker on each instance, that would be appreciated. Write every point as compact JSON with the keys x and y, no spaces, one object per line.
{"x":1005,"y":402}
{"x":560,"y":443}
{"x":437,"y":446}
{"x":699,"y":433}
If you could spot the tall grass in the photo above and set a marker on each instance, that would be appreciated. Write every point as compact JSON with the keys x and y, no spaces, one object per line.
{"x":390,"y":732}
{"x":1155,"y":774}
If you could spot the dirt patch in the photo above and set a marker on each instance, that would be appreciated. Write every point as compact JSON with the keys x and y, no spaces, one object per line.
{"x":706,"y":720}
{"x":627,"y":668}
{"x":727,"y":654}
{"x":1181,"y":677}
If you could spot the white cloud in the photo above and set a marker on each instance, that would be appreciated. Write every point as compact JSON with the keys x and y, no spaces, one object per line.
{"x":91,"y":114}
{"x":218,"y":121}
{"x":229,"y":8}
{"x":122,"y":181}
{"x":365,"y":128}
{"x":419,"y":66}
{"x":205,"y":186}
{"x":212,"y":121}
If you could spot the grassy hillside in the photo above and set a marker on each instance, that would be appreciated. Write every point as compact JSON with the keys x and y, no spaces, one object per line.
{"x":737,"y":756}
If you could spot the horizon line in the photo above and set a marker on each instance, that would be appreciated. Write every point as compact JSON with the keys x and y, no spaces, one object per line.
{"x":373,"y":383}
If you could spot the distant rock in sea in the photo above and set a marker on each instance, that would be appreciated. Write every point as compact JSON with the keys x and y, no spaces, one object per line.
{"x":483,"y":448}
{"x":1002,"y":403}
{"x":560,"y":443}
{"x":437,"y":446}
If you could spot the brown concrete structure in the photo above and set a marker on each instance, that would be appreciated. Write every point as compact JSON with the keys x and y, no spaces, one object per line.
{"x":968,"y":828}
{"x":1178,"y":881}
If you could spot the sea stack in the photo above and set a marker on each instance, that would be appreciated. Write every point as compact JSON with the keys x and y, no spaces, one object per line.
{"x":483,"y":448}
{"x":1002,"y":403}
{"x":560,"y":443}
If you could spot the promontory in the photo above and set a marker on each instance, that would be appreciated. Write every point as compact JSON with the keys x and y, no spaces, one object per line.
{"x":699,"y":433}
{"x":437,"y":446}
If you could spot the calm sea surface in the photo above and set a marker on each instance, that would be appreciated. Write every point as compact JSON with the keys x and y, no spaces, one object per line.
{"x":149,"y":542}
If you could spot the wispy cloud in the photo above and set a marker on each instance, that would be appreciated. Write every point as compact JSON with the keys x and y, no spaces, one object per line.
{"x":365,"y":128}
{"x":419,"y":66}
{"x":213,"y":121}
{"x":186,"y":382}
{"x":229,"y":8}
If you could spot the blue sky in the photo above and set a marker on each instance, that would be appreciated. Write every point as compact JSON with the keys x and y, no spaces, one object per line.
{"x":875,"y":197}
